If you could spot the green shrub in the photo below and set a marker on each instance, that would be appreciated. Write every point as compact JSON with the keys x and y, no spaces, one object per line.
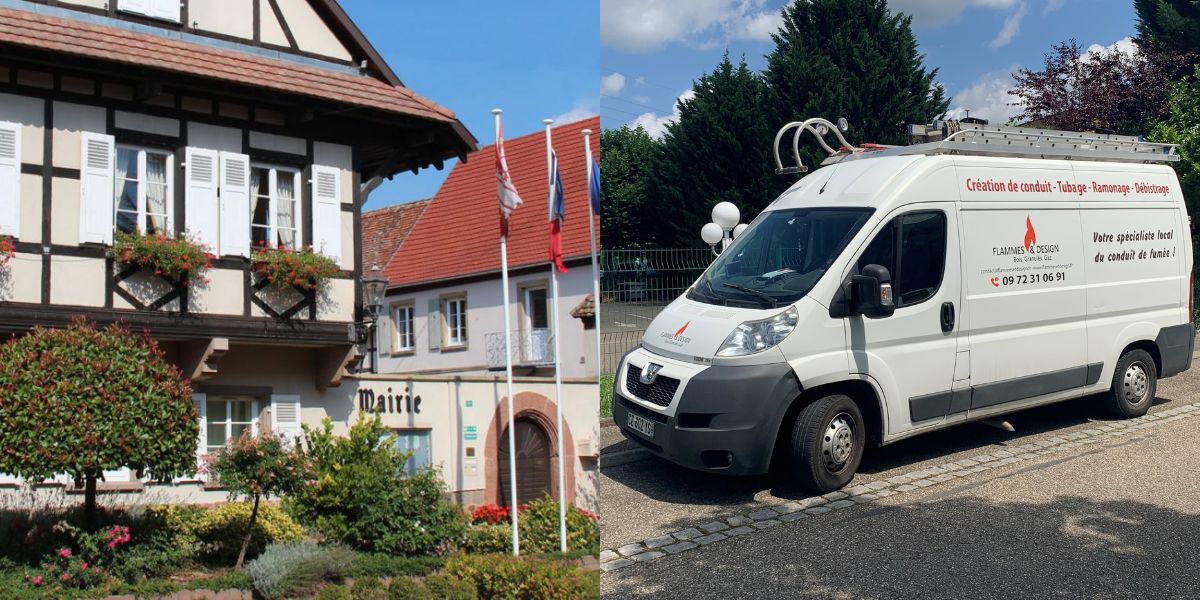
{"x":334,"y":592}
{"x":540,"y":532}
{"x":403,"y":588}
{"x":156,"y":554}
{"x":445,"y":587}
{"x":290,"y":570}
{"x":363,"y":497}
{"x":489,"y":539}
{"x":369,"y":588}
{"x":506,"y":576}
{"x":387,"y":565}
{"x":220,"y":531}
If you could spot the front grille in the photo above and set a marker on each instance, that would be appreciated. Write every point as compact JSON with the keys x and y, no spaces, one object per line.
{"x":659,"y":393}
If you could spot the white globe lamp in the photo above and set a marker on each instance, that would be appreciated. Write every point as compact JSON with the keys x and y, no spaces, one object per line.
{"x":712,"y":234}
{"x":726,"y":215}
{"x":739,"y":229}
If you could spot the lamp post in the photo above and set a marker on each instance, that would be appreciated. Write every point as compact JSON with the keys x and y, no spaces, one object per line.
{"x":724,"y":227}
{"x":374,"y":287}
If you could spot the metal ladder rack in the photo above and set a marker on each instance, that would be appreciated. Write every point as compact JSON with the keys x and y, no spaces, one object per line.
{"x":1023,"y":142}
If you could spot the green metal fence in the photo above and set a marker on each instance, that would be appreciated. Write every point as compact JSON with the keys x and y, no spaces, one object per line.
{"x":635,"y":285}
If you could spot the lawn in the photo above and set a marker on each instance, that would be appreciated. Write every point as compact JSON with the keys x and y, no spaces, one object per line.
{"x":606,"y":396}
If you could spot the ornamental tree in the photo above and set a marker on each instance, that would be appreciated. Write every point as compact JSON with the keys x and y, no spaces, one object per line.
{"x":84,"y":400}
{"x":258,"y":466}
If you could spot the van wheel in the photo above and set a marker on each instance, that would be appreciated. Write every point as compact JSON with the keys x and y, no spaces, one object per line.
{"x":827,"y":443}
{"x":1134,"y":384}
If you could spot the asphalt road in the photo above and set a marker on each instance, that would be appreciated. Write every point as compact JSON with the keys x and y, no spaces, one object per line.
{"x":1114,"y":519}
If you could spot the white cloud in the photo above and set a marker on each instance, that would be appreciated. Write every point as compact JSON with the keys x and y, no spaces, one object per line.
{"x":1011,"y":27}
{"x":642,"y":99}
{"x":656,"y":125}
{"x":612,"y":84}
{"x":933,"y":13}
{"x":1124,"y":45}
{"x":1052,"y":5}
{"x":641,"y":80}
{"x":582,"y":110}
{"x":987,"y":98}
{"x":645,"y":25}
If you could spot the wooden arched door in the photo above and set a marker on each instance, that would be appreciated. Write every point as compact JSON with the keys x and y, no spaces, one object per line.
{"x":533,"y":462}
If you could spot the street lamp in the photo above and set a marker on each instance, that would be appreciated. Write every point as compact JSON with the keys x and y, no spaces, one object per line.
{"x":374,"y":286}
{"x":724,"y":227}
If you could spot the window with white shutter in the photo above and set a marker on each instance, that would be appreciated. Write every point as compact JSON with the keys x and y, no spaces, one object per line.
{"x":201,"y":209}
{"x":168,"y":10}
{"x":201,"y":401}
{"x":285,"y":416}
{"x":434,"y":323}
{"x":96,"y":188}
{"x":327,"y":212}
{"x":10,"y":179}
{"x":235,"y":204}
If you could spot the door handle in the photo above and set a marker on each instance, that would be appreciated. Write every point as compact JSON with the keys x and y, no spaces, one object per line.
{"x":947,"y":316}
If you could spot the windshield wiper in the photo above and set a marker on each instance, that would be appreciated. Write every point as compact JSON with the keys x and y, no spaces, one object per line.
{"x":771,"y":303}
{"x":710,"y":294}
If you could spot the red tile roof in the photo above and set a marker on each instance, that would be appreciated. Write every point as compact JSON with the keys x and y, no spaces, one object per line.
{"x":459,"y":234}
{"x":92,"y":41}
{"x":384,"y":230}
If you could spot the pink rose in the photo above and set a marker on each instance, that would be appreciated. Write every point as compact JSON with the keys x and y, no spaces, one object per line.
{"x":37,"y":580}
{"x":84,"y":566}
{"x":66,"y":577}
{"x":65,"y":553}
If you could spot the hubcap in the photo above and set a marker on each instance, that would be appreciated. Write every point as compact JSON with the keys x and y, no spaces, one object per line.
{"x":838,"y":442}
{"x":1136,"y":384}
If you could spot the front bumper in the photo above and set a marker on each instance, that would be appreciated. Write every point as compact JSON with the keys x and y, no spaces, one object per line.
{"x":722,"y":419}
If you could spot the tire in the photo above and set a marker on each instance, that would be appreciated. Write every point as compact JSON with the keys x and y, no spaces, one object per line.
{"x":1134,"y":384}
{"x":827,"y":443}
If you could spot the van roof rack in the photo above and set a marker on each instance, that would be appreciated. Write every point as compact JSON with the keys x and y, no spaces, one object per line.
{"x":955,"y":137}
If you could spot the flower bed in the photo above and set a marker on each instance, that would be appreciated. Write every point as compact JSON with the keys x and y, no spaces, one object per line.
{"x":285,"y":267}
{"x":7,"y":249}
{"x":179,"y":258}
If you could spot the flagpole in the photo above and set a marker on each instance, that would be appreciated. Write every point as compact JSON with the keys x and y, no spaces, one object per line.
{"x":562,"y":457}
{"x":587,"y":149}
{"x":508,"y":376}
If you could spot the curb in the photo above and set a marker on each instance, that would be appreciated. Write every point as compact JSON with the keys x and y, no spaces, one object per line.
{"x":771,"y":515}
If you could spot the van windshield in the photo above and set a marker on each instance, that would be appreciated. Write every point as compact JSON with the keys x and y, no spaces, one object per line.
{"x":780,"y":257}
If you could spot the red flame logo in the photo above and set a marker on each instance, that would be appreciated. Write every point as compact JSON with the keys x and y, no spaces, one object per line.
{"x":1030,"y":234}
{"x":682,"y":329}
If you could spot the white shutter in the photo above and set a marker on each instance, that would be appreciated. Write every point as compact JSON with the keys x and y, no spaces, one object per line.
{"x":117,"y":476}
{"x":435,"y":324}
{"x":235,"y":204}
{"x":327,"y":211}
{"x":96,"y":188}
{"x":285,"y":415}
{"x":200,"y":204}
{"x":10,"y":180}
{"x":165,"y":9}
{"x":201,"y":401}
{"x":141,"y":7}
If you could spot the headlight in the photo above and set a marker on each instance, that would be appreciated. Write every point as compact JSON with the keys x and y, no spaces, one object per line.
{"x":756,"y":336}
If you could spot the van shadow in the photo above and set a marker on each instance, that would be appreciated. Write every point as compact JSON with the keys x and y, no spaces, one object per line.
{"x":962,"y":547}
{"x":667,"y":482}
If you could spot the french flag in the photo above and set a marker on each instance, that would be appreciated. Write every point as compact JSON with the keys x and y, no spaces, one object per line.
{"x":557,"y":212}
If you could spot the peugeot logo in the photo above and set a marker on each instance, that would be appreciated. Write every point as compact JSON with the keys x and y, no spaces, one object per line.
{"x":650,"y":373}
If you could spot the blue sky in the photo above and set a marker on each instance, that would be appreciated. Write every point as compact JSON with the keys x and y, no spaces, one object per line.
{"x":534,"y":59}
{"x":652,"y":50}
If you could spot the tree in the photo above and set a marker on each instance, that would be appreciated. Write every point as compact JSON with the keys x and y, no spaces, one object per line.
{"x":718,"y":150}
{"x":259,"y":466}
{"x":1165,"y":26}
{"x":627,"y":155}
{"x":83,"y":400}
{"x":1107,"y":90}
{"x":1182,"y":126}
{"x":853,"y":59}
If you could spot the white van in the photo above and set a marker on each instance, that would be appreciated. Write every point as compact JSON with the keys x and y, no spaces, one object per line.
{"x":902,"y":290}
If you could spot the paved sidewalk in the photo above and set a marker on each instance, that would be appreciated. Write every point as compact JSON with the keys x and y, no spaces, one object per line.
{"x":1116,"y":517}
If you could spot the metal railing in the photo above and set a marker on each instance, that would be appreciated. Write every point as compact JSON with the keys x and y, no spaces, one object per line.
{"x":529,"y":347}
{"x":635,"y":285}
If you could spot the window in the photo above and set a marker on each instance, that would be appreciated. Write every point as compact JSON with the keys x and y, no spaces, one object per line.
{"x":143,"y":194}
{"x":159,"y":9}
{"x":919,"y":239}
{"x":405,"y":339}
{"x":455,"y":311}
{"x":416,"y":442}
{"x":536,"y":309}
{"x":274,"y":207}
{"x":227,"y":419}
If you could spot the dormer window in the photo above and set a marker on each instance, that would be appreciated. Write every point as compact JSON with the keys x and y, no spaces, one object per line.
{"x":167,"y":10}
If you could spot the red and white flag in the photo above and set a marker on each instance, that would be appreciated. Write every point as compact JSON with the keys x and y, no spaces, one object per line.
{"x":509,"y":198}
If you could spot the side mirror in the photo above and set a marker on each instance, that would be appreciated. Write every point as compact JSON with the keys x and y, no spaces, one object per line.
{"x":871,"y":292}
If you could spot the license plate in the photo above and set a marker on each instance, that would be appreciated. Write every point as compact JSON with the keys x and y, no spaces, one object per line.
{"x":640,"y":424}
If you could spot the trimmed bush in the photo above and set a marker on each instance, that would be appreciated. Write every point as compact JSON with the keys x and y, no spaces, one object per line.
{"x":369,"y":588}
{"x":334,"y":592}
{"x":387,"y":565}
{"x":403,"y":588}
{"x":489,"y":539}
{"x":445,"y":587}
{"x":220,"y":531}
{"x":506,"y":576}
{"x":291,"y":570}
{"x":539,"y":528}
